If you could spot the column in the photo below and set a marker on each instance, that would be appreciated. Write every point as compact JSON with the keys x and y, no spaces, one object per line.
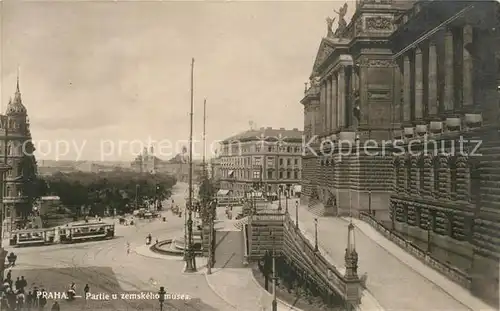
{"x":328,"y":111}
{"x":419,"y":85}
{"x":406,"y":90}
{"x":335,"y":109}
{"x":433,"y":107}
{"x":322,"y":107}
{"x":448,"y":72}
{"x":467,"y":65}
{"x":341,"y":97}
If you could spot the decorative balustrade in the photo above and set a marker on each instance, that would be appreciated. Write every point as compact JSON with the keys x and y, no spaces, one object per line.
{"x":278,"y":232}
{"x":452,"y":273}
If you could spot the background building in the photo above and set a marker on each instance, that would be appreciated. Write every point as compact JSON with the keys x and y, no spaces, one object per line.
{"x":260,"y":159}
{"x":410,"y":70}
{"x":17,"y":151}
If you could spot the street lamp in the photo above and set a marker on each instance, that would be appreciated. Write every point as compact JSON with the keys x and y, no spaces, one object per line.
{"x":137,"y":196}
{"x":286,"y":202}
{"x":429,"y":234}
{"x":274,"y":303}
{"x":297,"y":214}
{"x":161,"y":297}
{"x":315,"y":234}
{"x":279,"y":198}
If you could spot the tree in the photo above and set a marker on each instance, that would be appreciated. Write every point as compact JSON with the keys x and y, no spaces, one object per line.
{"x":106,"y":191}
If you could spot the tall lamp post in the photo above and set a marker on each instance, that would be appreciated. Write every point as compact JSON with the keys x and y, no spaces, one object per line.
{"x":297,"y":214}
{"x":279,"y":198}
{"x":273,"y":255}
{"x":137,"y":196}
{"x":161,"y":297}
{"x":316,"y":234}
{"x":287,"y":196}
{"x":190,"y":256}
{"x":3,"y":169}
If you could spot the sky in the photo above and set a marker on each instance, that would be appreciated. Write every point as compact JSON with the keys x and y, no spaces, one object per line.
{"x":103,"y":79}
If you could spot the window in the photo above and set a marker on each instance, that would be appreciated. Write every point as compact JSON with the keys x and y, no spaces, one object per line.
{"x":453,"y":176}
{"x":281,"y":175}
{"x":288,"y":175}
{"x":270,"y":161}
{"x":421,"y":175}
{"x":270,"y":149}
{"x":257,"y":161}
{"x":288,"y":162}
{"x":296,"y":175}
{"x":269,"y":175}
{"x":281,"y":161}
{"x":256,"y":174}
{"x":408,"y":175}
{"x":296,"y":161}
{"x":436,"y":167}
{"x":288,"y":149}
{"x":257,"y":148}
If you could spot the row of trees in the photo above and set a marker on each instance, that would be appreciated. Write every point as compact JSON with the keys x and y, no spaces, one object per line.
{"x":97,"y":192}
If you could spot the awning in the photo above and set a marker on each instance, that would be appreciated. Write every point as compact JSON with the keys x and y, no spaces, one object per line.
{"x":297,"y":188}
{"x":231,"y":172}
{"x":222,"y":192}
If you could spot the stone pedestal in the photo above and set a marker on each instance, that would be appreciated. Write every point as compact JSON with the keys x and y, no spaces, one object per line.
{"x":408,"y":132}
{"x":453,"y":124}
{"x":436,"y":127}
{"x":473,"y":120}
{"x":421,"y":129}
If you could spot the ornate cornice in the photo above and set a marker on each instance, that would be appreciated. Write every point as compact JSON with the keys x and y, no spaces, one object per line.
{"x":365,"y":62}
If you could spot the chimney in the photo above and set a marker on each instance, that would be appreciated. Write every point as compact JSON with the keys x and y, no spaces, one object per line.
{"x":295,"y":129}
{"x":282,"y":128}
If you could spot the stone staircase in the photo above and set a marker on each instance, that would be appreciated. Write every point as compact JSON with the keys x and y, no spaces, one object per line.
{"x":241,"y":222}
{"x":317,"y":209}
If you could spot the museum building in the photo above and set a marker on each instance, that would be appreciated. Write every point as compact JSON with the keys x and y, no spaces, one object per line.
{"x":402,"y":115}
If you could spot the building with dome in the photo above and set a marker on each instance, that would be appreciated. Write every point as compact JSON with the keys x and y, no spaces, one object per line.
{"x":16,"y":150}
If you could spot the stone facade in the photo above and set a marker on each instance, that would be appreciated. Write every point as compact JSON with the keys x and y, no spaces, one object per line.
{"x":17,"y":150}
{"x":266,"y":159}
{"x":348,"y":103}
{"x":445,"y":180}
{"x":425,"y":77}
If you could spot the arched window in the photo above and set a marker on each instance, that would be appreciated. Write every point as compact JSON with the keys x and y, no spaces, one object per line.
{"x":396,"y":175}
{"x":436,"y":166}
{"x":421,"y":174}
{"x":453,"y":177}
{"x":408,"y":175}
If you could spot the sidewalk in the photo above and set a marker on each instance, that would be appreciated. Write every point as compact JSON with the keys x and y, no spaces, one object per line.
{"x":395,"y":281}
{"x":238,"y":288}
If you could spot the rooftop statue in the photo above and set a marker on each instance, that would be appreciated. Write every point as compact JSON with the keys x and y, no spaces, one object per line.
{"x":342,"y":23}
{"x":329,"y":24}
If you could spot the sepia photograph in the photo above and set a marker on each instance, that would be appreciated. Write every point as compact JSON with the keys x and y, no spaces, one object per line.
{"x":246,"y":155}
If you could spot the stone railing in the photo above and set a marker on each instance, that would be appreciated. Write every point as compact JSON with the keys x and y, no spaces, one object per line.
{"x":452,"y":273}
{"x":298,"y":247}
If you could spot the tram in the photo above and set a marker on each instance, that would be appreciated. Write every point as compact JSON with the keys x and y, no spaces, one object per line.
{"x":31,"y":237}
{"x":86,"y":232}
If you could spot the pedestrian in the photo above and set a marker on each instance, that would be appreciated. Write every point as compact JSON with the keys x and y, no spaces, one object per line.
{"x":29,"y":300}
{"x":35,"y":299}
{"x":24,"y":283}
{"x":20,"y":300}
{"x":18,"y":283}
{"x":86,"y":289}
{"x":9,"y":275}
{"x":55,"y":306}
{"x":43,"y":299}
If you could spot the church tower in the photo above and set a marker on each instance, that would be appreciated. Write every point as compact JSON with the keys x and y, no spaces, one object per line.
{"x":17,"y":150}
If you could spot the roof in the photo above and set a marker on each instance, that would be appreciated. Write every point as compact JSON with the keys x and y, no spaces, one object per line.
{"x":16,"y":106}
{"x":267,"y":133}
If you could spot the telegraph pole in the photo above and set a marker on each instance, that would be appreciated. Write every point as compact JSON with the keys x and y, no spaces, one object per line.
{"x":190,"y":258}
